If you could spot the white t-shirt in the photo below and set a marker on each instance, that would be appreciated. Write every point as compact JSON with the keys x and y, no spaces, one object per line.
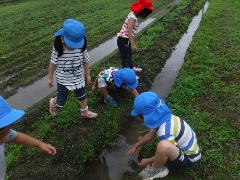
{"x":124,"y":32}
{"x":70,"y":71}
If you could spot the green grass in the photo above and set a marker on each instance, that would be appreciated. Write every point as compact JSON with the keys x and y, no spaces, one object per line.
{"x":207,"y":92}
{"x":79,"y":141}
{"x":27,"y":29}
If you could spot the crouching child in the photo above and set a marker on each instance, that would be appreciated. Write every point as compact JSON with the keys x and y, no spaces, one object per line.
{"x":177,"y":140}
{"x":125,"y":78}
{"x":8,"y":116}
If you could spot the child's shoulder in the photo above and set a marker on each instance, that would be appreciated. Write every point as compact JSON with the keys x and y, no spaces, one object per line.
{"x":132,"y":15}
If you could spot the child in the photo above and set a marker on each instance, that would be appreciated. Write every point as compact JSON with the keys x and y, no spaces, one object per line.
{"x":178,"y":142}
{"x":70,"y":60}
{"x":8,"y":116}
{"x":126,"y":43}
{"x":118,"y":77}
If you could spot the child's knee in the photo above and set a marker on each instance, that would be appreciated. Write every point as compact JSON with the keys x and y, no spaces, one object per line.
{"x":163,"y":146}
{"x":101,"y":82}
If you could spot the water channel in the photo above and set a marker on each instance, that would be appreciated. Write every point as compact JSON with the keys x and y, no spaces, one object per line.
{"x":114,"y":163}
{"x":27,"y":96}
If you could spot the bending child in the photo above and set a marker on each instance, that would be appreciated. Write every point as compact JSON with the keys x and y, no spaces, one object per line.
{"x":118,"y":77}
{"x":177,"y":140}
{"x":126,"y":36}
{"x":8,"y":116}
{"x":70,"y":59}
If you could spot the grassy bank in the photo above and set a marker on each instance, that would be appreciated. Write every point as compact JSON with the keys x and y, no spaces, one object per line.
{"x":27,"y":29}
{"x":207,"y":92}
{"x":79,"y":141}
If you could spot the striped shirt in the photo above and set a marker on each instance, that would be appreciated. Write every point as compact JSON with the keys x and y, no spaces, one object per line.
{"x":70,"y":71}
{"x":178,"y":132}
{"x":124,"y":32}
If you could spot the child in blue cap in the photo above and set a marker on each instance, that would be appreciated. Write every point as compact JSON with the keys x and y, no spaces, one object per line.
{"x":70,"y":60}
{"x":125,"y":77}
{"x":178,"y":142}
{"x":9,"y":116}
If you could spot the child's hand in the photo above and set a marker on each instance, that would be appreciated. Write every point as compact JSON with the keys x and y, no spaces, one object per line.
{"x":133,"y":47}
{"x":50,"y":83}
{"x":89,"y":80}
{"x":48,"y":148}
{"x":145,"y":162}
{"x":132,"y":150}
{"x":94,"y":88}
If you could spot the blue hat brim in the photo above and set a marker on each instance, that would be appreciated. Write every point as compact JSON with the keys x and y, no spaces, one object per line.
{"x":156,"y":118}
{"x":60,"y":32}
{"x":133,"y":86}
{"x":72,"y":44}
{"x":134,"y":113}
{"x":69,"y":43}
{"x":117,"y":80}
{"x":13,"y":116}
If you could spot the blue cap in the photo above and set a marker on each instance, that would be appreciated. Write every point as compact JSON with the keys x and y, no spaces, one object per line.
{"x":73,"y":32}
{"x":153,"y":109}
{"x":8,"y":115}
{"x":126,"y":77}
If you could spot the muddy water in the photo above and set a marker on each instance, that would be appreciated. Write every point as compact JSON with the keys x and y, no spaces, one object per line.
{"x":27,"y":96}
{"x":114,"y":164}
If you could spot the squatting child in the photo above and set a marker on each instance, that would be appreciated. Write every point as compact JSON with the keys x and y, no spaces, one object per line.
{"x":126,"y":36}
{"x":125,"y":77}
{"x":9,"y":116}
{"x":70,"y":60}
{"x":177,"y":140}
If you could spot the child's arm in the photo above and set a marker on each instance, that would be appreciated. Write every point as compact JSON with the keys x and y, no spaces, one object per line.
{"x":87,"y":72}
{"x":94,"y":86}
{"x":22,"y":138}
{"x":148,"y":137}
{"x":51,"y":69}
{"x":131,"y":23}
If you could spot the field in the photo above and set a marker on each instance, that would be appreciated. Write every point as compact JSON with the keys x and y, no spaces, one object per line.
{"x":27,"y":29}
{"x":79,"y":141}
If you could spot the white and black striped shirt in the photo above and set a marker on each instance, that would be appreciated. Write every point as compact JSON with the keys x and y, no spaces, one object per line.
{"x":70,"y":71}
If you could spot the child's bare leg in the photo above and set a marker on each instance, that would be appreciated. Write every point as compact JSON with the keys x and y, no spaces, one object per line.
{"x":84,"y":110}
{"x":81,"y":96}
{"x":104,"y":92}
{"x":102,"y":85}
{"x":165,"y":151}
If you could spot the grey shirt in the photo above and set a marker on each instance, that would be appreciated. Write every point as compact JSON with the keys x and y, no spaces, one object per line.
{"x":10,"y":137}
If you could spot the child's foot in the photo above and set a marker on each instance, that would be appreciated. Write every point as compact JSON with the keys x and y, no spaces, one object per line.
{"x":110,"y":101}
{"x":137,"y":69}
{"x":150,"y":173}
{"x":53,"y":107}
{"x":89,"y":115}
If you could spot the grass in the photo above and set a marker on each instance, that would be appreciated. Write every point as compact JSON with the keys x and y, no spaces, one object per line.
{"x":79,"y":141}
{"x":207,"y":93}
{"x":27,"y":29}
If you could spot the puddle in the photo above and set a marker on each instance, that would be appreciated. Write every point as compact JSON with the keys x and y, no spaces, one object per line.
{"x":27,"y":96}
{"x":114,"y":163}
{"x":165,"y":80}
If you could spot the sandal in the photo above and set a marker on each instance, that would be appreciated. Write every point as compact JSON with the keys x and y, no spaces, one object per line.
{"x":89,"y":115}
{"x":52,"y":107}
